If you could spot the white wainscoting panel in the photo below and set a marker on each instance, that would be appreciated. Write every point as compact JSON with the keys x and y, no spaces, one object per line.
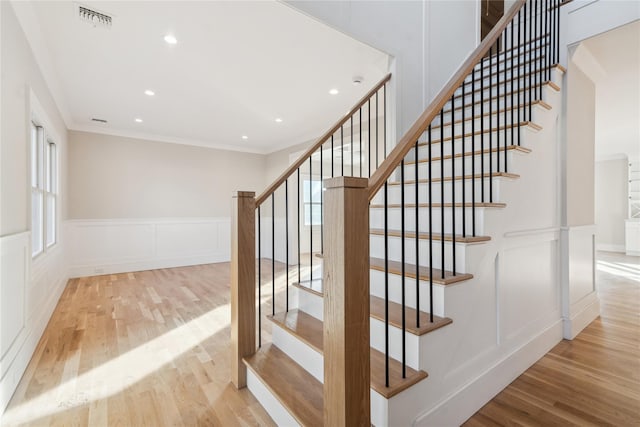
{"x":120,"y":245}
{"x":30,"y":290}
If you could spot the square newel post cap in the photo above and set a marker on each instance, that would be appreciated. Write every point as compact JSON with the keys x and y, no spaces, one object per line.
{"x":346,"y":182}
{"x":237,"y":194}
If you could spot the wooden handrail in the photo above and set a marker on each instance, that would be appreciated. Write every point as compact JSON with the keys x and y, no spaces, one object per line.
{"x":303,"y":158}
{"x":407,"y":142}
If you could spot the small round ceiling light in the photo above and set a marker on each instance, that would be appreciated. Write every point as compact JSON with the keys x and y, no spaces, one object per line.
{"x":138,"y":120}
{"x":149,"y":92}
{"x":334,"y":92}
{"x":278,"y":120}
{"x":245,"y":137}
{"x":171,"y":39}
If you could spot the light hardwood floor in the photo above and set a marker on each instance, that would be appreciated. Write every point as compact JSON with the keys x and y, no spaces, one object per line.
{"x":152,"y":348}
{"x":593,"y":380}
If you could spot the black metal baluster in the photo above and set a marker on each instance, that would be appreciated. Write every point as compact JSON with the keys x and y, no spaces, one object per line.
{"x":417,"y":199}
{"x":558,"y":33}
{"x":342,"y":150}
{"x":464,"y":209}
{"x":531,"y":54}
{"x":402,"y":250}
{"x":384,"y":122}
{"x":431,"y":224}
{"x":377,"y":126}
{"x":505,"y":103}
{"x":453,"y":189}
{"x":540,"y":57}
{"x":498,"y":106}
{"x":442,"y":187}
{"x":298,"y":205}
{"x":310,"y":219}
{"x":386,"y":285}
{"x":513,"y":82}
{"x":519,"y":70}
{"x":482,"y":131}
{"x":333,"y":157}
{"x":490,"y":125}
{"x":321,"y":202}
{"x":273,"y":253}
{"x":286,"y":238}
{"x":351,"y":145}
{"x":547,"y":16}
{"x":369,"y":137}
{"x":259,"y":279}
{"x":473,"y":150}
{"x":360,"y":112}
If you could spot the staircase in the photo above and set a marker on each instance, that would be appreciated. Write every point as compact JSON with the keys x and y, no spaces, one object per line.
{"x":441,"y":204}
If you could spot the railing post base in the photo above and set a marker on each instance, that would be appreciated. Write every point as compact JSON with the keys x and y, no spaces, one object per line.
{"x":346,"y":303}
{"x":243,"y":284}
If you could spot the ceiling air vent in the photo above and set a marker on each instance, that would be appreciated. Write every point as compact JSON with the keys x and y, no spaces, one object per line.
{"x":94,"y":17}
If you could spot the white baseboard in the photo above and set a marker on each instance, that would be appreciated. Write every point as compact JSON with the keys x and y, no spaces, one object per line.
{"x":123,"y":245}
{"x":585,"y":312}
{"x":606,"y":247}
{"x":471,"y":397}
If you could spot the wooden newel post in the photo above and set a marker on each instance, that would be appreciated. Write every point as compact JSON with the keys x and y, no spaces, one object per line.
{"x":243,"y":284}
{"x":346,"y":303}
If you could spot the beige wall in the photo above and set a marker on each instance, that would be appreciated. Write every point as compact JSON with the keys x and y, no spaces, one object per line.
{"x":580,"y":148}
{"x":611,"y":201}
{"x":117,"y":177}
{"x":21,"y":75}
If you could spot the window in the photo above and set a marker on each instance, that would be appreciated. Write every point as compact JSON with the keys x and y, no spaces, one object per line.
{"x":312,"y":193}
{"x":44,"y":190}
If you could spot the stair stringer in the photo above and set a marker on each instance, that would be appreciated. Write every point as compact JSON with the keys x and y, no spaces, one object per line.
{"x":509,"y":314}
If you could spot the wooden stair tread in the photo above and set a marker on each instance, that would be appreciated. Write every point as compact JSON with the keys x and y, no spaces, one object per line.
{"x":480,"y":132}
{"x":435,"y":236}
{"x":313,"y":286}
{"x":290,"y":383}
{"x":459,"y":177}
{"x":473,"y":153}
{"x":395,"y":317}
{"x":309,"y":330}
{"x":446,"y":205}
{"x":395,"y":267}
{"x":477,"y":116}
{"x":520,"y":89}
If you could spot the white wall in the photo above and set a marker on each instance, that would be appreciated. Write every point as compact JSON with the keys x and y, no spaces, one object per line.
{"x":413,"y":32}
{"x":611,"y":201}
{"x":29,"y":289}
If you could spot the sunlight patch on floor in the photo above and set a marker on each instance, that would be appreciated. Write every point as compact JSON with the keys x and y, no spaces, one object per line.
{"x":620,"y":269}
{"x":122,"y":372}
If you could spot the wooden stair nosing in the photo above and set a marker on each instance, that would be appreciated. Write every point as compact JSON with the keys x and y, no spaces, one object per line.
{"x":310,"y":289}
{"x":495,"y":205}
{"x":395,"y":267}
{"x":309,"y":330}
{"x":434,"y":237}
{"x":296,"y":389}
{"x":377,"y":310}
{"x":530,"y":124}
{"x":468,"y":81}
{"x":518,"y":148}
{"x":459,"y":177}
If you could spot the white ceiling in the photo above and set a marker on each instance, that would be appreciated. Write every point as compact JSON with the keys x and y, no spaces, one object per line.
{"x":617,"y":91}
{"x":237,"y":66}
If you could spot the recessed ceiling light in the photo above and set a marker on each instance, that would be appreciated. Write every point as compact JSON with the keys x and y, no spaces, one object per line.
{"x":138,"y":120}
{"x":334,"y":91}
{"x":245,"y":137}
{"x":278,"y":120}
{"x":149,"y":92}
{"x":171,"y":39}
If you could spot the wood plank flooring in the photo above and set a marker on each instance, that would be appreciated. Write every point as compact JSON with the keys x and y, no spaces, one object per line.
{"x":593,"y":380}
{"x":152,"y":348}
{"x":147,"y":348}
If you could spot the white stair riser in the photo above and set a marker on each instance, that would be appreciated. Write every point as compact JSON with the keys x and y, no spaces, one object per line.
{"x":377,"y":286}
{"x":310,"y":303}
{"x":269,"y":402}
{"x":299,"y":351}
{"x":412,"y":353}
{"x":524,"y":73}
{"x":395,"y":252}
{"x":469,"y":111}
{"x":376,"y":219}
{"x":393,"y":191}
{"x":494,"y":162}
{"x":493,"y":121}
